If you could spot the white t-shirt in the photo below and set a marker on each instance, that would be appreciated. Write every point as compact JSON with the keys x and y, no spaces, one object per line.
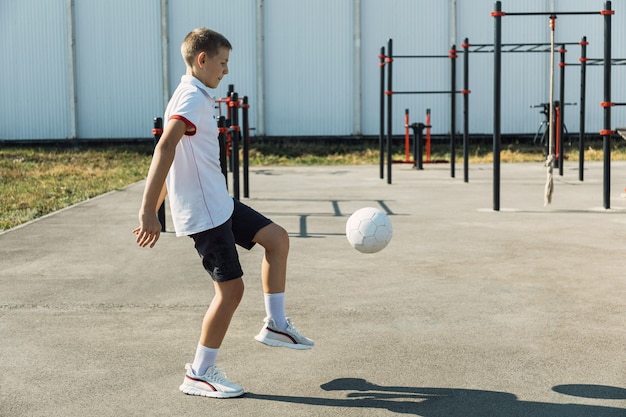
{"x":197,"y":191}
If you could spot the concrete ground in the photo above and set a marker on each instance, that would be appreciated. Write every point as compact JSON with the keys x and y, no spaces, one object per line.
{"x":468,"y":312}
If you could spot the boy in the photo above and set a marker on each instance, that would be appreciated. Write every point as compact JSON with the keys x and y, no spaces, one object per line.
{"x":186,"y":167}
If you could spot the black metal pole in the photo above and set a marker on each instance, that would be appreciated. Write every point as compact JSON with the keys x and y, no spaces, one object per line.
{"x":234,"y":120}
{"x":418,"y":143}
{"x":223,"y":132}
{"x":466,"y":46}
{"x":497,"y":67}
{"x":245,"y":138}
{"x":561,"y":109}
{"x":157,"y":131}
{"x":381,"y":135}
{"x":406,"y":134}
{"x":583,"y":88}
{"x":607,"y":108}
{"x":453,"y":56}
{"x":389,"y":93}
{"x":229,"y":123}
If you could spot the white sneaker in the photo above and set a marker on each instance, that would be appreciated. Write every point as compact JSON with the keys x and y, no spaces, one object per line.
{"x":212,"y":384}
{"x":290,"y":337}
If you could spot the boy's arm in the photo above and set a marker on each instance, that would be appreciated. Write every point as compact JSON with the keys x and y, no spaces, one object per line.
{"x":149,"y":228}
{"x":162,"y":196}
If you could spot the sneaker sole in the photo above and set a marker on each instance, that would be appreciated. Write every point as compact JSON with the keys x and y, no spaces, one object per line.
{"x":278,"y":343}
{"x":212,"y":394}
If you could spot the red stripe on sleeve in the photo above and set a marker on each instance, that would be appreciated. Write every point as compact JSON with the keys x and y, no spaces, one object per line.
{"x":191,"y":128}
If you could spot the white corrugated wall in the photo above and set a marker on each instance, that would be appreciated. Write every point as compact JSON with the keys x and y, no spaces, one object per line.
{"x":34,"y":91}
{"x":118,"y":71}
{"x":308,"y":68}
{"x":417,"y":28}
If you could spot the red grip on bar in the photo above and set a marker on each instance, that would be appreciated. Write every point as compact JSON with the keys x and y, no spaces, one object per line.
{"x":562,"y":64}
{"x":382,"y":56}
{"x":388,"y":93}
{"x":583,"y":43}
{"x":583,"y":59}
{"x":452,"y":54}
{"x":607,"y":104}
{"x":605,"y":132}
{"x":562,"y":50}
{"x":465,"y":45}
{"x":607,"y":12}
{"x":465,"y":91}
{"x":221,"y":130}
{"x":388,"y":59}
{"x":498,"y":14}
{"x":233,"y":103}
{"x":157,"y":131}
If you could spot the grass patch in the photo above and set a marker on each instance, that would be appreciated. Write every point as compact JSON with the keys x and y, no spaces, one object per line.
{"x":298,"y":153}
{"x":35,"y":181}
{"x":38,"y":181}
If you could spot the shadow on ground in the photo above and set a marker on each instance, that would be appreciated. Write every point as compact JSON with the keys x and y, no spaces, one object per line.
{"x":454,"y":402}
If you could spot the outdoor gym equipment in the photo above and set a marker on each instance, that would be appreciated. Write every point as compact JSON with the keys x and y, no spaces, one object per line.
{"x":606,"y":132}
{"x":387,"y":60}
{"x":585,"y":62}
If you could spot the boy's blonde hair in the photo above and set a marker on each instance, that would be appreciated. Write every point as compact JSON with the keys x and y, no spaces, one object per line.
{"x":202,"y":40}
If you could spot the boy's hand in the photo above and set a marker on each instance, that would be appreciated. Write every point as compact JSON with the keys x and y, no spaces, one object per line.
{"x":149,"y":230}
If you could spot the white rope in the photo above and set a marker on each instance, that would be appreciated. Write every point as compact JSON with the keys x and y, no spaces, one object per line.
{"x":550,"y":158}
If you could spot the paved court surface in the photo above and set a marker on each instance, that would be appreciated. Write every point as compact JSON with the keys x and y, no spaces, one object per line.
{"x":468,"y":312}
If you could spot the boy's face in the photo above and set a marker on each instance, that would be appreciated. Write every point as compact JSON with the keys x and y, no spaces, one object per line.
{"x":211,"y":70}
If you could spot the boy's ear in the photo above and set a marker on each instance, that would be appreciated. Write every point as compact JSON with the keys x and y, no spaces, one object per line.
{"x":201,"y":59}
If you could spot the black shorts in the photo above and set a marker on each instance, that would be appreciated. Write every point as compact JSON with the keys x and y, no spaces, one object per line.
{"x":216,"y":246}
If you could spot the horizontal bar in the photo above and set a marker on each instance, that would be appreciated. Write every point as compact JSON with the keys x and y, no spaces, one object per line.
{"x":526,"y":44}
{"x":547,"y":13}
{"x":426,"y":92}
{"x":517,"y":47}
{"x":600,"y":61}
{"x":421,"y":56}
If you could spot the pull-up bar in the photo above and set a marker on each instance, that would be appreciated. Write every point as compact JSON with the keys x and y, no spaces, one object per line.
{"x":600,"y":61}
{"x":606,"y":132}
{"x":424,"y":56}
{"x":426,"y":92}
{"x":583,"y":63}
{"x":500,"y":13}
{"x":516,"y":47}
{"x":531,"y":48}
{"x":387,"y":60}
{"x":506,"y":48}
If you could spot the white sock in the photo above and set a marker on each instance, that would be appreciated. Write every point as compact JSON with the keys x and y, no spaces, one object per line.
{"x":205,"y":358}
{"x":275,"y":309}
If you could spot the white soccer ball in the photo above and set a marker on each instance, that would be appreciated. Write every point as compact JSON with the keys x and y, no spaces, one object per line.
{"x":369,"y":230}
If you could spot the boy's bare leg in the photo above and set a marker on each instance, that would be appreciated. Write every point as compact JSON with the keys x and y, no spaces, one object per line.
{"x":228,"y":294}
{"x":275,"y":240}
{"x":202,"y":377}
{"x":278,"y":329}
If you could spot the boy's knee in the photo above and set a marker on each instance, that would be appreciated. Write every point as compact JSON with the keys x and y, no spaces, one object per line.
{"x":238,"y":290}
{"x":274,"y":238}
{"x":232,"y":291}
{"x":281,"y":239}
